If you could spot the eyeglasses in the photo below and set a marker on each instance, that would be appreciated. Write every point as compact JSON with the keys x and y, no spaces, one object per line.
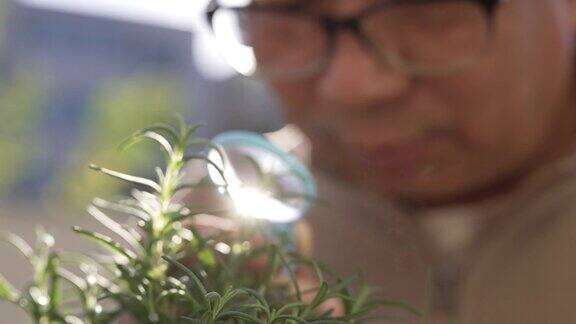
{"x":420,"y":37}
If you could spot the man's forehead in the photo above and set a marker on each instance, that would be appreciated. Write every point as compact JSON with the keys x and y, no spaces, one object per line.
{"x":336,"y":7}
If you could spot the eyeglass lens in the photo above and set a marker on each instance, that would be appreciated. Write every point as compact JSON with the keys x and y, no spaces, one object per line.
{"x":421,"y":34}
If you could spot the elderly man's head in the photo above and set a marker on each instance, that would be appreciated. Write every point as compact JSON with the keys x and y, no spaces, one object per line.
{"x":426,"y":100}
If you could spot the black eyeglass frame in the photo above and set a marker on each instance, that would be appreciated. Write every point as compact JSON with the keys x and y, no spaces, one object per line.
{"x":333,"y":25}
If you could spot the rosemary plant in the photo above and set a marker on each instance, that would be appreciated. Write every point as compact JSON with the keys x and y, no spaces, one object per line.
{"x":165,"y":269}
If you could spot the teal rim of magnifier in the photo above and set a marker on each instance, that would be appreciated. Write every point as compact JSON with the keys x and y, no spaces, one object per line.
{"x":297,"y":168}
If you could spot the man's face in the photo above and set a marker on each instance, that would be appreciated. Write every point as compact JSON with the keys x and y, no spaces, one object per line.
{"x":439,"y":139}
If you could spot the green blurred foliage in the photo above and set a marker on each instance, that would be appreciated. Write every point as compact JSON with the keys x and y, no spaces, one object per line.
{"x":20,"y":98}
{"x":118,"y":108}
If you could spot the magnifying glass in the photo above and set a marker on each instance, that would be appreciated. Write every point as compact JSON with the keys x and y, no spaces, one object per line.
{"x":263,"y":181}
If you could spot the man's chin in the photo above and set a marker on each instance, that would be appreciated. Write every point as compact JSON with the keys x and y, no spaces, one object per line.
{"x":422,"y":189}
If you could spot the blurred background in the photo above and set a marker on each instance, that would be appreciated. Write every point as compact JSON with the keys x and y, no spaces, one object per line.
{"x":79,"y":76}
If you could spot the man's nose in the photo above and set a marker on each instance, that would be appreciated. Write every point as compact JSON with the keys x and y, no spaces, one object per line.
{"x":355,"y":77}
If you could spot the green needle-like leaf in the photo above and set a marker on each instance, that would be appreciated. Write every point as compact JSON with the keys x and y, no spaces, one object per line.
{"x":106,"y":242}
{"x":158,"y":138}
{"x":128,"y":178}
{"x":7,"y":291}
{"x":116,"y":228}
{"x":198,"y":283}
{"x":19,"y":244}
{"x":123,"y":208}
{"x":166,"y":130}
{"x":241,"y":316}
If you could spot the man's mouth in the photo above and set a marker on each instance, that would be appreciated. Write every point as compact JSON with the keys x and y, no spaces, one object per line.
{"x":392,"y":157}
{"x":397,"y":153}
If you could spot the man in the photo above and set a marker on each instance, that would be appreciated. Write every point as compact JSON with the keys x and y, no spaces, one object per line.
{"x":461,"y":115}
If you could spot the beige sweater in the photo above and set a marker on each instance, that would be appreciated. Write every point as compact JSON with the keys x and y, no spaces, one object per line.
{"x":511,"y":260}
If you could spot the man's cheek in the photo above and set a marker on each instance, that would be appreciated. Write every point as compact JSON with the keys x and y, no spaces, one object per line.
{"x":297,"y":99}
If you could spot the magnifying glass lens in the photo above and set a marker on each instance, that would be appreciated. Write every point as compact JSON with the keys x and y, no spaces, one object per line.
{"x":263,"y":181}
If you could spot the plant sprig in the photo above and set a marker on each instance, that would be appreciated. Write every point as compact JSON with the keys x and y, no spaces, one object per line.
{"x":166,"y":270}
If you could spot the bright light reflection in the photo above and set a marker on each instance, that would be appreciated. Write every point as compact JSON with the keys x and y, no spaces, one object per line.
{"x":239,"y":56}
{"x":242,"y":59}
{"x":255,"y":203}
{"x":223,"y":248}
{"x":176,"y":239}
{"x":249,"y":202}
{"x":228,"y":177}
{"x":236,"y":3}
{"x":91,"y":280}
{"x":208,"y":59}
